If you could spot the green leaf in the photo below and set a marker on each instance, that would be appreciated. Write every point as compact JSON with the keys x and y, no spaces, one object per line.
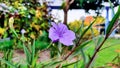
{"x":6,"y":44}
{"x":34,"y":57}
{"x":13,"y":30}
{"x":66,"y":65}
{"x":112,"y":22}
{"x":83,"y":45}
{"x":111,"y":6}
{"x":8,"y":63}
{"x":33,"y":50}
{"x":100,"y":39}
{"x":28,"y":55}
{"x":34,"y":61}
{"x":50,"y":64}
{"x":83,"y":56}
{"x":78,"y":49}
{"x":87,"y":29}
{"x":80,"y":29}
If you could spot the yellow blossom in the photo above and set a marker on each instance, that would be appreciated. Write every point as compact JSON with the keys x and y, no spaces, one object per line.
{"x":38,"y":14}
{"x":32,"y":36}
{"x":99,"y":20}
{"x":16,"y":3}
{"x":37,"y":27}
{"x":2,"y":30}
{"x":75,"y":25}
{"x":40,"y":32}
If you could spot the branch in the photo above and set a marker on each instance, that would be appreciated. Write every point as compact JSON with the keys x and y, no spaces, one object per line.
{"x":98,"y":49}
{"x":71,"y":2}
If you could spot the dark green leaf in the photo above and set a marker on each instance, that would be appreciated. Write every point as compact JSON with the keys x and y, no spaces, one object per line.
{"x":87,"y":29}
{"x":112,"y":22}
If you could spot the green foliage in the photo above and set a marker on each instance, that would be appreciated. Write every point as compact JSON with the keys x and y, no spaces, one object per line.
{"x":113,"y":21}
{"x":35,"y":39}
{"x":8,"y":63}
{"x":6,"y":44}
{"x":20,"y":16}
{"x":42,"y":42}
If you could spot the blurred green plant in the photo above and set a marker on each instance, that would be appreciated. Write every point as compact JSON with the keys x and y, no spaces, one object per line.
{"x":60,"y":55}
{"x":6,"y":46}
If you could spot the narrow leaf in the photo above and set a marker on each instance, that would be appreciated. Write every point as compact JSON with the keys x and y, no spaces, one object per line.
{"x":112,"y":22}
{"x":27,"y":53}
{"x":8,"y":63}
{"x":87,"y":29}
{"x":111,"y":6}
{"x":33,"y":50}
{"x":83,"y":45}
{"x":52,"y":63}
{"x":78,"y":49}
{"x":66,"y":65}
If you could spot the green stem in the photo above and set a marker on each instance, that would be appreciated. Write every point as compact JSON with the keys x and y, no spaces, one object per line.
{"x":84,"y":57}
{"x":49,"y":45}
{"x":59,"y":49}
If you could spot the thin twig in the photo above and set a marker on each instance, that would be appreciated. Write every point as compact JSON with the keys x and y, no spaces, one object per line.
{"x":98,"y":49}
{"x":107,"y":47}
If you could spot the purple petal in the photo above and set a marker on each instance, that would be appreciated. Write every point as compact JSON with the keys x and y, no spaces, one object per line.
{"x":62,"y":28}
{"x":69,"y":34}
{"x":66,"y":42}
{"x":54,"y":25}
{"x":67,"y":38}
{"x":53,"y":35}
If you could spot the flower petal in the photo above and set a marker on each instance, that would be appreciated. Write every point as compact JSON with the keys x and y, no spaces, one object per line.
{"x":69,"y":34}
{"x":54,"y":25}
{"x":53,"y":35}
{"x":62,"y":28}
{"x":66,"y":42}
{"x":67,"y":38}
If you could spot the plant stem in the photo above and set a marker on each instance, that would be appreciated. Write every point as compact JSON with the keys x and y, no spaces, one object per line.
{"x":69,"y":54}
{"x":65,"y":9}
{"x":50,"y":45}
{"x":98,"y":48}
{"x":96,"y":51}
{"x":59,"y":49}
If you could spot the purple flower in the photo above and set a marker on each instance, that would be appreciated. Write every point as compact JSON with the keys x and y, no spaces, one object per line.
{"x":59,"y":32}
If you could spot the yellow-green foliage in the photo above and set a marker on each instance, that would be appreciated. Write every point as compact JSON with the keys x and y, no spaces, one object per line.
{"x":31,"y":17}
{"x":91,"y":33}
{"x":2,"y":30}
{"x":99,"y":20}
{"x":75,"y":25}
